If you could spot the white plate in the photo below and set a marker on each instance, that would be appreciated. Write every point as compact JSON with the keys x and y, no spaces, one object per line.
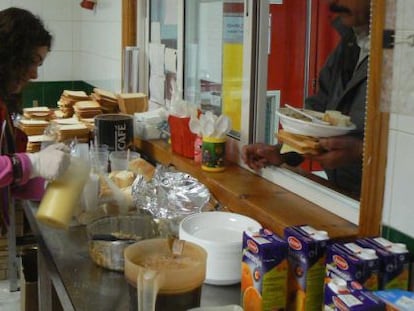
{"x":302,"y":127}
{"x":221,"y":235}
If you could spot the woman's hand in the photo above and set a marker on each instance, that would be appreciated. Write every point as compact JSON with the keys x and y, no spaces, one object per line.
{"x":339,"y":151}
{"x":51,"y":162}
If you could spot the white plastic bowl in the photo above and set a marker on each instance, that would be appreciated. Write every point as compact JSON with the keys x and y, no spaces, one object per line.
{"x":221,"y":235}
{"x":302,"y":127}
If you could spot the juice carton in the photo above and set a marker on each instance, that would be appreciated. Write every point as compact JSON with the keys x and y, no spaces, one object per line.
{"x":394,"y":261}
{"x":349,"y":296}
{"x":352,"y":262}
{"x":397,"y":299}
{"x":264,"y":271}
{"x":306,"y":264}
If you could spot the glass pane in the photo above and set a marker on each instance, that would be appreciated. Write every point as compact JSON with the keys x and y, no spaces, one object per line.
{"x":163,"y":50}
{"x":214,"y":57}
{"x":300,"y":38}
{"x":163,"y":22}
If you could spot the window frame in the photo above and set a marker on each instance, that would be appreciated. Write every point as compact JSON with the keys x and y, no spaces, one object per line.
{"x":255,"y":91}
{"x":375,"y":145}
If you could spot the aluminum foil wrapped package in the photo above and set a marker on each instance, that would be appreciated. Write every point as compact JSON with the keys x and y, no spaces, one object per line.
{"x":169,"y":196}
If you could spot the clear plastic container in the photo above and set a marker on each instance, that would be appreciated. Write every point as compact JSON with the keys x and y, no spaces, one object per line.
{"x":120,"y":159}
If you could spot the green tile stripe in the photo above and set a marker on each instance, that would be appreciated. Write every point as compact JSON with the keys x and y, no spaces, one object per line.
{"x":398,"y":237}
{"x":48,"y":93}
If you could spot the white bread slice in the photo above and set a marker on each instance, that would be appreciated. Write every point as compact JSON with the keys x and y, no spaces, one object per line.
{"x":131,"y":95}
{"x":87,"y":104}
{"x":75,"y":94}
{"x":36,"y":109}
{"x":105,"y":93}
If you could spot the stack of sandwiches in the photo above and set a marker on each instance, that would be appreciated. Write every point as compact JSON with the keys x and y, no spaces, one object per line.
{"x":71,"y":131}
{"x":68,"y":99}
{"x":34,"y":143}
{"x":87,"y":109}
{"x":38,"y":113}
{"x":107,"y":100}
{"x":32,"y":127}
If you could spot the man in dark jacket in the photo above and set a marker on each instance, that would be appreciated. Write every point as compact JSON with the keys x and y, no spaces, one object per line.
{"x":342,"y":86}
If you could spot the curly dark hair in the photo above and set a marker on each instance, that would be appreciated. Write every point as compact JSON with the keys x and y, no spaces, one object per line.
{"x":21,"y":34}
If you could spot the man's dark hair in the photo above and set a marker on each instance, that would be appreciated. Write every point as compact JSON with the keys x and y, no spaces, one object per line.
{"x":21,"y":34}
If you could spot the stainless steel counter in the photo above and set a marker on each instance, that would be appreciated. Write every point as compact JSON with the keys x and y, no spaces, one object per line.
{"x":66,"y":269}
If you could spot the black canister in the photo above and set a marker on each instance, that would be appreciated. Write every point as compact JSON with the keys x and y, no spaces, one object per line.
{"x":115,"y":130}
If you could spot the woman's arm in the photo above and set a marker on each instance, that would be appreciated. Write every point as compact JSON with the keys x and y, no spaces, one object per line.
{"x":15,"y":171}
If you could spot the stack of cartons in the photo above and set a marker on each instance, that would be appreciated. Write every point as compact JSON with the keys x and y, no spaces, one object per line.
{"x":130,"y":103}
{"x":19,"y":220}
{"x":3,"y":257}
{"x":28,"y":280}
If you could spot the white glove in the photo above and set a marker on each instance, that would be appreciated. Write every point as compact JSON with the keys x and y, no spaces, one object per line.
{"x":51,"y":162}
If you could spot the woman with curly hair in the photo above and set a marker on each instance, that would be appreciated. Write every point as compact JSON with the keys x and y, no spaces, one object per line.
{"x":24,"y":44}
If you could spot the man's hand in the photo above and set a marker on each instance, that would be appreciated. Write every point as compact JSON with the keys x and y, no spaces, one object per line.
{"x":339,"y":151}
{"x":259,"y":155}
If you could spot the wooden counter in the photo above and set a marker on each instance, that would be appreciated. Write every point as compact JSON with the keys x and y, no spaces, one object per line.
{"x":245,"y":193}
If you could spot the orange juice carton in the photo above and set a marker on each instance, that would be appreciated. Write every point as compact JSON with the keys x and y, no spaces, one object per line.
{"x":353,"y":262}
{"x":394,"y":259}
{"x":264,"y":271}
{"x":340,"y":295}
{"x":396,"y":299}
{"x":306,"y":266}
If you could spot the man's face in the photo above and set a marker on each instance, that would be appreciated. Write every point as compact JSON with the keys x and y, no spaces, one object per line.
{"x":353,"y":13}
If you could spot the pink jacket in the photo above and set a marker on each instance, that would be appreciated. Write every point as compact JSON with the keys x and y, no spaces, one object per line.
{"x":32,"y":189}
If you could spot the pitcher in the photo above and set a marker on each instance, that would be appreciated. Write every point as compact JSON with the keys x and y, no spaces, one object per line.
{"x":62,"y":195}
{"x":159,"y":280}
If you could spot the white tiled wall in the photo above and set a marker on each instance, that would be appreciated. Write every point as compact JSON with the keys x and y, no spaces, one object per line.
{"x":87,"y":44}
{"x":399,"y":197}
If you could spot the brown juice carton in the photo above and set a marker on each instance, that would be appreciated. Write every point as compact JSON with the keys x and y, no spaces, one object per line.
{"x":264,"y":271}
{"x":394,"y":262}
{"x":306,"y":265}
{"x":353,"y":262}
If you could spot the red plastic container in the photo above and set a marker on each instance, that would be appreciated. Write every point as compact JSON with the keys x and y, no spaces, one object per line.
{"x":182,"y":139}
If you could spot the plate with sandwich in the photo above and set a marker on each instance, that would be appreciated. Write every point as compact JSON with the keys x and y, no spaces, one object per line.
{"x":333,"y":123}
